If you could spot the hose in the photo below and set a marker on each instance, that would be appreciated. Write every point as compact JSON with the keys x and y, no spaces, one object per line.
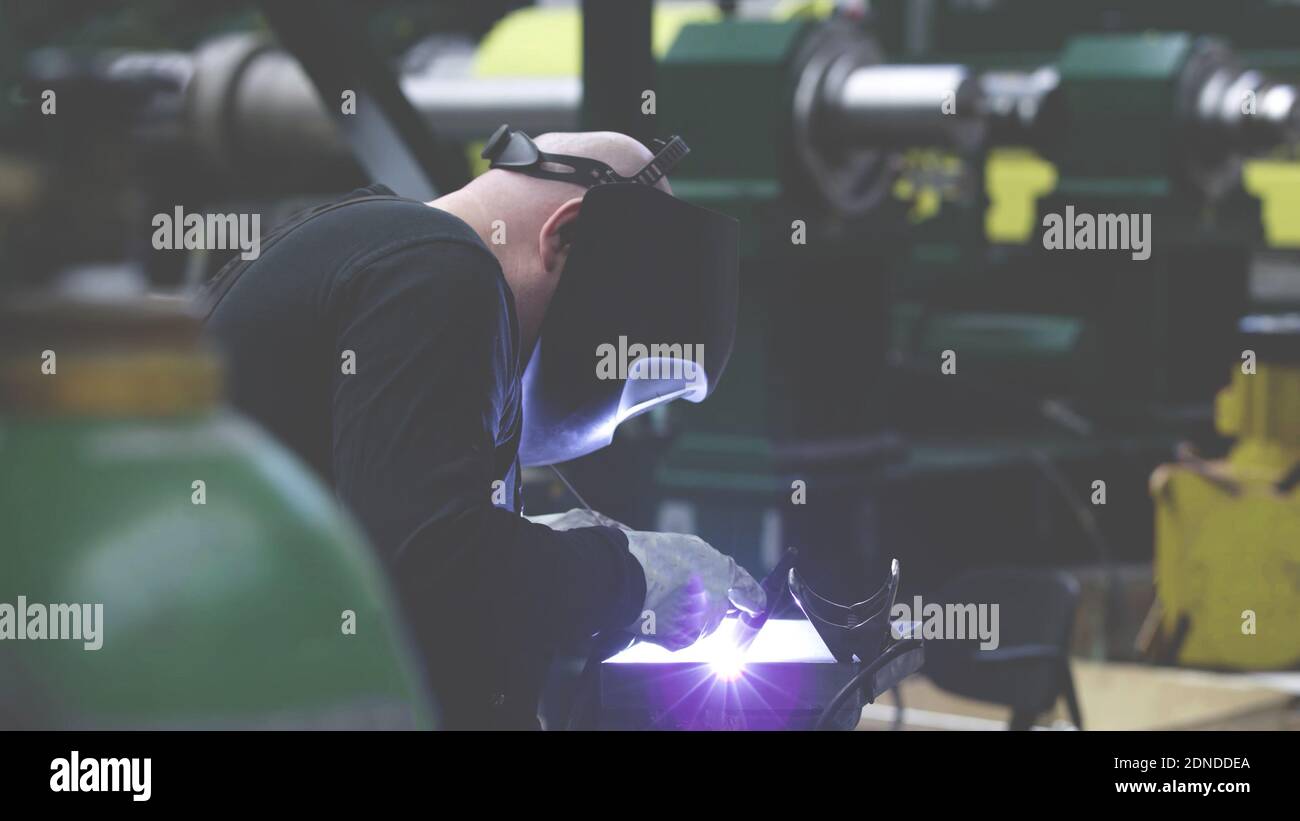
{"x":854,"y":683}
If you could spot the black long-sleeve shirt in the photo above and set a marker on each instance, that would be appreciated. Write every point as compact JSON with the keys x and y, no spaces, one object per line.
{"x":418,"y":440}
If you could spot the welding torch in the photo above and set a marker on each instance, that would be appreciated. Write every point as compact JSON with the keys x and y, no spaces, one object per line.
{"x":774,"y":586}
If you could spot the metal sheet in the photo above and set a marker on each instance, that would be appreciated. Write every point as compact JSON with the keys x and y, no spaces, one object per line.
{"x":783,"y":681}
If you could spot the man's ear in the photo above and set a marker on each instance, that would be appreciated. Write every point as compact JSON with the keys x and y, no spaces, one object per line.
{"x":553,"y":241}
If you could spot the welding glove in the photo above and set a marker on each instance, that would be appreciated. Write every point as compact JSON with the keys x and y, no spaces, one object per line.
{"x":575,"y":518}
{"x":690,"y":587}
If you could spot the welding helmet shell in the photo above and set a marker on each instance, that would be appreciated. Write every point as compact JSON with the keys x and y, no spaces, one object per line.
{"x":645,"y":269}
{"x":645,"y":309}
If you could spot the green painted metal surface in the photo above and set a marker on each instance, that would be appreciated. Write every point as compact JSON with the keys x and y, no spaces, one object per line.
{"x":1120,"y":93}
{"x":735,"y":72}
{"x":224,"y":614}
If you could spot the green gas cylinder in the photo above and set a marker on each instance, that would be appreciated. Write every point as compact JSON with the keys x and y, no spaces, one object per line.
{"x":163,"y":562}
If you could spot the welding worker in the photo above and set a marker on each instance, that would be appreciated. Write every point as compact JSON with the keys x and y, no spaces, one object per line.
{"x":416,"y":354}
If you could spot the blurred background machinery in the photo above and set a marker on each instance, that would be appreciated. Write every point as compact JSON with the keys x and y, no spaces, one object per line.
{"x":1227,"y":560}
{"x":891,"y":163}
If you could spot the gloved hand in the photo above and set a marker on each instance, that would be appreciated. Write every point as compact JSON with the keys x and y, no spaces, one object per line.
{"x":577,"y":517}
{"x":689,"y":588}
{"x":689,"y":585}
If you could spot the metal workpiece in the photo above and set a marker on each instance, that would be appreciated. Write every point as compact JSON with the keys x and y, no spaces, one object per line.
{"x":786,"y":680}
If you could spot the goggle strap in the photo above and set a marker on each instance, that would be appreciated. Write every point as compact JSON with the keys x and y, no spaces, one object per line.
{"x":668,"y":155}
{"x":586,"y":172}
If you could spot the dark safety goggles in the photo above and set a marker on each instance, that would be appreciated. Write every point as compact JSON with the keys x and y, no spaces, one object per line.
{"x":514,"y":150}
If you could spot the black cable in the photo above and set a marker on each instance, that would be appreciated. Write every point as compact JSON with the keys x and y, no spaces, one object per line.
{"x":1085,"y":518}
{"x":1115,"y":606}
{"x":870,"y":670}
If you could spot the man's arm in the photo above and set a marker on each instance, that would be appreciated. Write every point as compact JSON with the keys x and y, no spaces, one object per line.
{"x":414,"y":432}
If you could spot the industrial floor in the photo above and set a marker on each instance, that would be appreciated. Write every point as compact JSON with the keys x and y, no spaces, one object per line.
{"x":1117,"y":696}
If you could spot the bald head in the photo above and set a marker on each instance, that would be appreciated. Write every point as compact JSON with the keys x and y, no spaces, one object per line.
{"x":521,"y":218}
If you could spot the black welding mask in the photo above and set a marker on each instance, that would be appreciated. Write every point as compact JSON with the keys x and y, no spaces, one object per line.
{"x":645,"y":311}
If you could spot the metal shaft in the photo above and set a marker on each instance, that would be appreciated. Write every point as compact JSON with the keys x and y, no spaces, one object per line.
{"x":249,"y":101}
{"x":901,"y":105}
{"x":245,"y":100}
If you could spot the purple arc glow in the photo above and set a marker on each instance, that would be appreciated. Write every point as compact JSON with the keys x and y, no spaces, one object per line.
{"x":728,"y":663}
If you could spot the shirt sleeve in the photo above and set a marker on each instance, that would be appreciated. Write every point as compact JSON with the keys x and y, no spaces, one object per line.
{"x":431,"y":331}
